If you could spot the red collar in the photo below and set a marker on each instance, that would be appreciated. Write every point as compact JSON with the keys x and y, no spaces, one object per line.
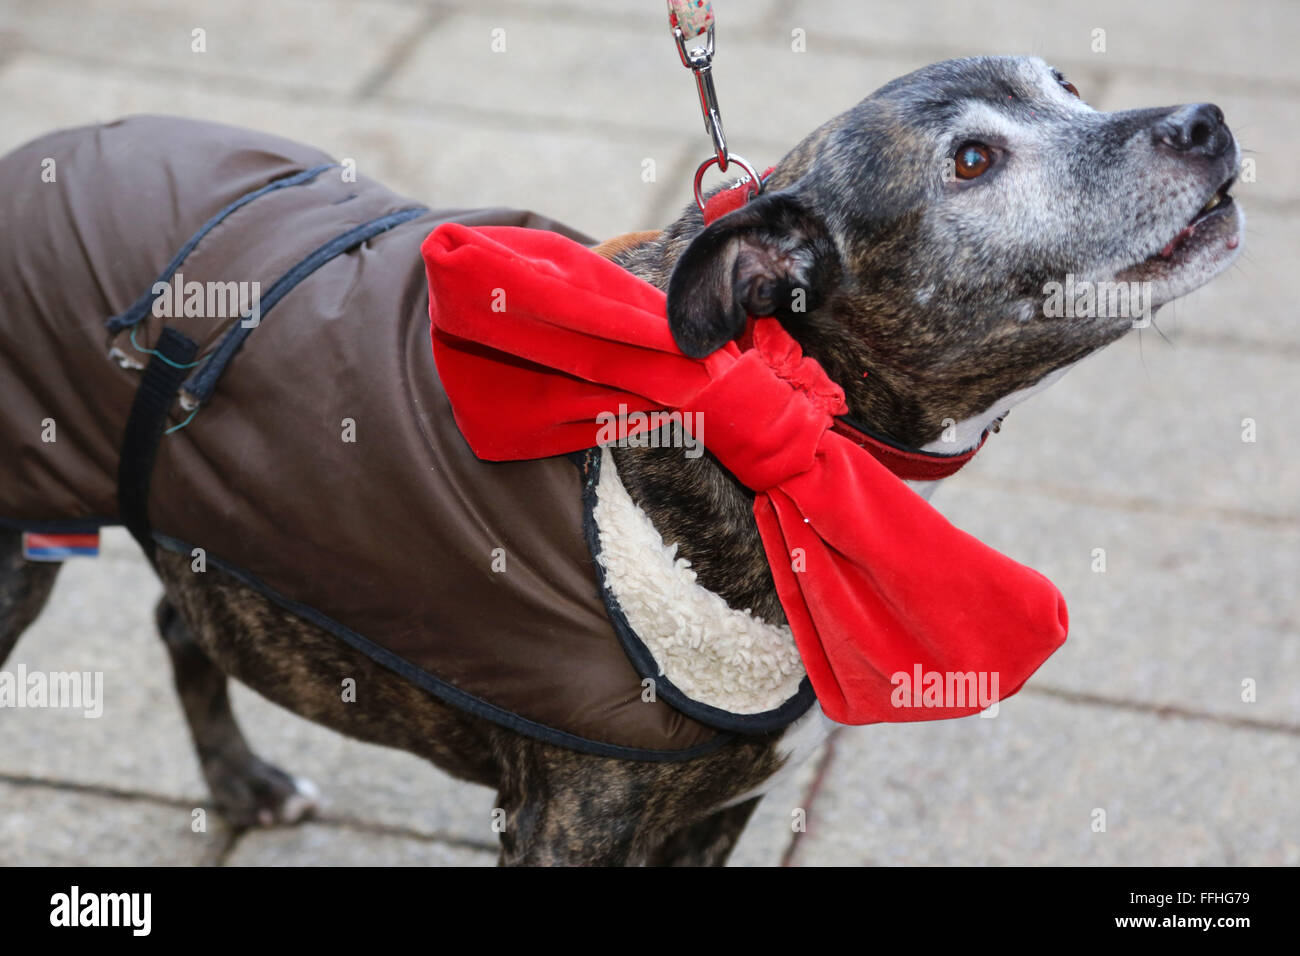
{"x":910,"y":464}
{"x":732,"y":198}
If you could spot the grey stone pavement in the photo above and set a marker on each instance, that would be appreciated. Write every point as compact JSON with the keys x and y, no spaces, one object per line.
{"x":1138,"y":452}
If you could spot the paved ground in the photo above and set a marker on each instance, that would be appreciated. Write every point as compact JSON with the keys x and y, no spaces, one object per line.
{"x":1139,"y":451}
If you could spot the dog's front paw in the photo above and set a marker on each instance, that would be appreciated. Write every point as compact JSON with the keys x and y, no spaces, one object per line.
{"x":262,"y":795}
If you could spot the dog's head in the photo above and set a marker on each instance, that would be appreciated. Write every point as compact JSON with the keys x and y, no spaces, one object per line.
{"x":933,"y":246}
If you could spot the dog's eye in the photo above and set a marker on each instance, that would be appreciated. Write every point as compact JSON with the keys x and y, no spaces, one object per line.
{"x":972,"y":160}
{"x":1066,"y":84}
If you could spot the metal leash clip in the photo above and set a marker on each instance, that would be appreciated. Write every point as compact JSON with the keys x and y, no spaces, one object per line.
{"x":688,"y":20}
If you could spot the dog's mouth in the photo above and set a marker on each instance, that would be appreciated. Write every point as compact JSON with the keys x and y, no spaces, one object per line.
{"x":1200,"y":249}
{"x":1218,"y":204}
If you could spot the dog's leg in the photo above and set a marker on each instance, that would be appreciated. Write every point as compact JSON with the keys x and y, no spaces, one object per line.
{"x":559,"y":829}
{"x":709,"y":841}
{"x":24,"y":588}
{"x":554,"y":823}
{"x":568,"y":809}
{"x":247,"y":790}
{"x":563,"y":808}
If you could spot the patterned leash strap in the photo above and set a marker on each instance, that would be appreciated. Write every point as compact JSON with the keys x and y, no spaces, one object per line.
{"x":689,"y":20}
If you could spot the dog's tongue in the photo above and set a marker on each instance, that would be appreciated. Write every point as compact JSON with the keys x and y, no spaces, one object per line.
{"x":1177,"y":241}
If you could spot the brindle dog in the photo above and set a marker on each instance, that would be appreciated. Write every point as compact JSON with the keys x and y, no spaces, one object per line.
{"x":919,"y":229}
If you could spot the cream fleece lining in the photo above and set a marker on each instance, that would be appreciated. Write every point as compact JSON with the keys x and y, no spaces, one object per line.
{"x":711,"y":652}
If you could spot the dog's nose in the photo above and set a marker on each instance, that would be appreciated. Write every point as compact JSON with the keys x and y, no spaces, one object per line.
{"x":1198,"y":129}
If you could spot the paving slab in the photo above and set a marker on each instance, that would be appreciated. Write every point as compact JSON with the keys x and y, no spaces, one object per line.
{"x":593,"y":183}
{"x":1147,"y":421}
{"x":48,"y":826}
{"x":525,"y":62}
{"x":317,"y":845}
{"x":365,"y":782}
{"x":329,"y":45}
{"x":1023,"y":788}
{"x":1253,"y":43}
{"x":599,"y":16}
{"x":1185,"y":610}
{"x":100,"y":620}
{"x":771,"y":94}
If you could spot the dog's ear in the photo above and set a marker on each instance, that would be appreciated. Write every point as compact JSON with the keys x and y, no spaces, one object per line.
{"x":772,"y":256}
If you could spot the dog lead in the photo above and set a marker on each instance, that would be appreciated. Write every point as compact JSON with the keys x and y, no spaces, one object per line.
{"x":688,"y":20}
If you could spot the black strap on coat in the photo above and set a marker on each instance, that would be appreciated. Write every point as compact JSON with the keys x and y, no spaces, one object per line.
{"x":167,"y":368}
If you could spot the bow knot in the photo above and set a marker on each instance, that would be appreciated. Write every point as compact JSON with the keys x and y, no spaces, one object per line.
{"x":764,"y":415}
{"x":783,"y":354}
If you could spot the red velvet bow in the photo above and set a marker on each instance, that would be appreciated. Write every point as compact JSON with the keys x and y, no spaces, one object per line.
{"x":897,"y":614}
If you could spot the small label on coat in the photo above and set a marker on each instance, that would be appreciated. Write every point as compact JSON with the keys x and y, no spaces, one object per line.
{"x":60,"y":547}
